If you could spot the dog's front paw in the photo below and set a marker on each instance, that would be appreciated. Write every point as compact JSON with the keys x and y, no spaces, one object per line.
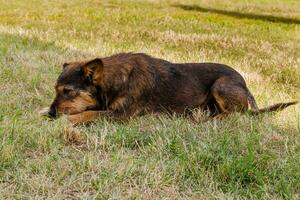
{"x":74,"y":119}
{"x":84,"y":117}
{"x":44,"y":111}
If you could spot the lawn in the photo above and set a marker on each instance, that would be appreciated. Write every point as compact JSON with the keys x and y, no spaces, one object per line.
{"x":150,"y":157}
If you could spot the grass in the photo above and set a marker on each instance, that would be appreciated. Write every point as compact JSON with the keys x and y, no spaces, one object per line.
{"x":151,"y":157}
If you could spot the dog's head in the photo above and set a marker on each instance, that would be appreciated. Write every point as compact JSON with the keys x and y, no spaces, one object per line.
{"x":75,"y":91}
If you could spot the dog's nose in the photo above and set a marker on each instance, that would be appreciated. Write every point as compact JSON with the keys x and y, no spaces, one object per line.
{"x":52,"y":113}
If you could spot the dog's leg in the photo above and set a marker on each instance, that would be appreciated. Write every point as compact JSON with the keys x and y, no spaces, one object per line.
{"x":229,"y":96}
{"x":87,"y":117}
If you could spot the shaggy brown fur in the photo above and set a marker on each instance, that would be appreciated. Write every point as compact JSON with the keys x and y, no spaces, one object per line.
{"x":130,"y":84}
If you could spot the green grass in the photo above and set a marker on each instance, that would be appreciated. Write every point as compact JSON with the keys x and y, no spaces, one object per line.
{"x":151,"y":157}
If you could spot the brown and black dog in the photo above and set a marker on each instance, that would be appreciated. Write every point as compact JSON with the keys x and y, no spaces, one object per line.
{"x":130,"y":84}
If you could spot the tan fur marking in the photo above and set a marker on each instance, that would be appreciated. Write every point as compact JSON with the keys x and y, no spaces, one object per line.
{"x":78,"y":104}
{"x":83,"y":117}
{"x":118,"y":103}
{"x":60,"y":88}
{"x":220,"y":102}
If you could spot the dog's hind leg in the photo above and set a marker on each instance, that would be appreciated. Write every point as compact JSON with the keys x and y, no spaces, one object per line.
{"x":230,"y":96}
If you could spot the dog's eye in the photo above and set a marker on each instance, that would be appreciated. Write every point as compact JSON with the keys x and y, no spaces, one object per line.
{"x":68,"y":91}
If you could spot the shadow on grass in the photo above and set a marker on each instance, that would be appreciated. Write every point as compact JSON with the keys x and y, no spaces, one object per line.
{"x":239,"y":15}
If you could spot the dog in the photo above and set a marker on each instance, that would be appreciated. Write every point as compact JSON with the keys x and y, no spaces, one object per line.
{"x":131,"y":84}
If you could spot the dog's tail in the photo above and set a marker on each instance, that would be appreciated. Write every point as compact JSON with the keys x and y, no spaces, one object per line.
{"x":276,"y":107}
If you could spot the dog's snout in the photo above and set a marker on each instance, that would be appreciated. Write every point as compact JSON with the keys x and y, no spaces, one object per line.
{"x":52,"y":112}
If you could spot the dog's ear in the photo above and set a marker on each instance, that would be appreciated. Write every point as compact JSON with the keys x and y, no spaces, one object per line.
{"x":92,"y":67}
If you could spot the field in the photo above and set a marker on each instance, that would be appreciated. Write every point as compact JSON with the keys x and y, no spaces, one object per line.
{"x":150,"y":157}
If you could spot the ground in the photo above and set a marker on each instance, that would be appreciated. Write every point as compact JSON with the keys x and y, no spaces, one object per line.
{"x":151,"y":157}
